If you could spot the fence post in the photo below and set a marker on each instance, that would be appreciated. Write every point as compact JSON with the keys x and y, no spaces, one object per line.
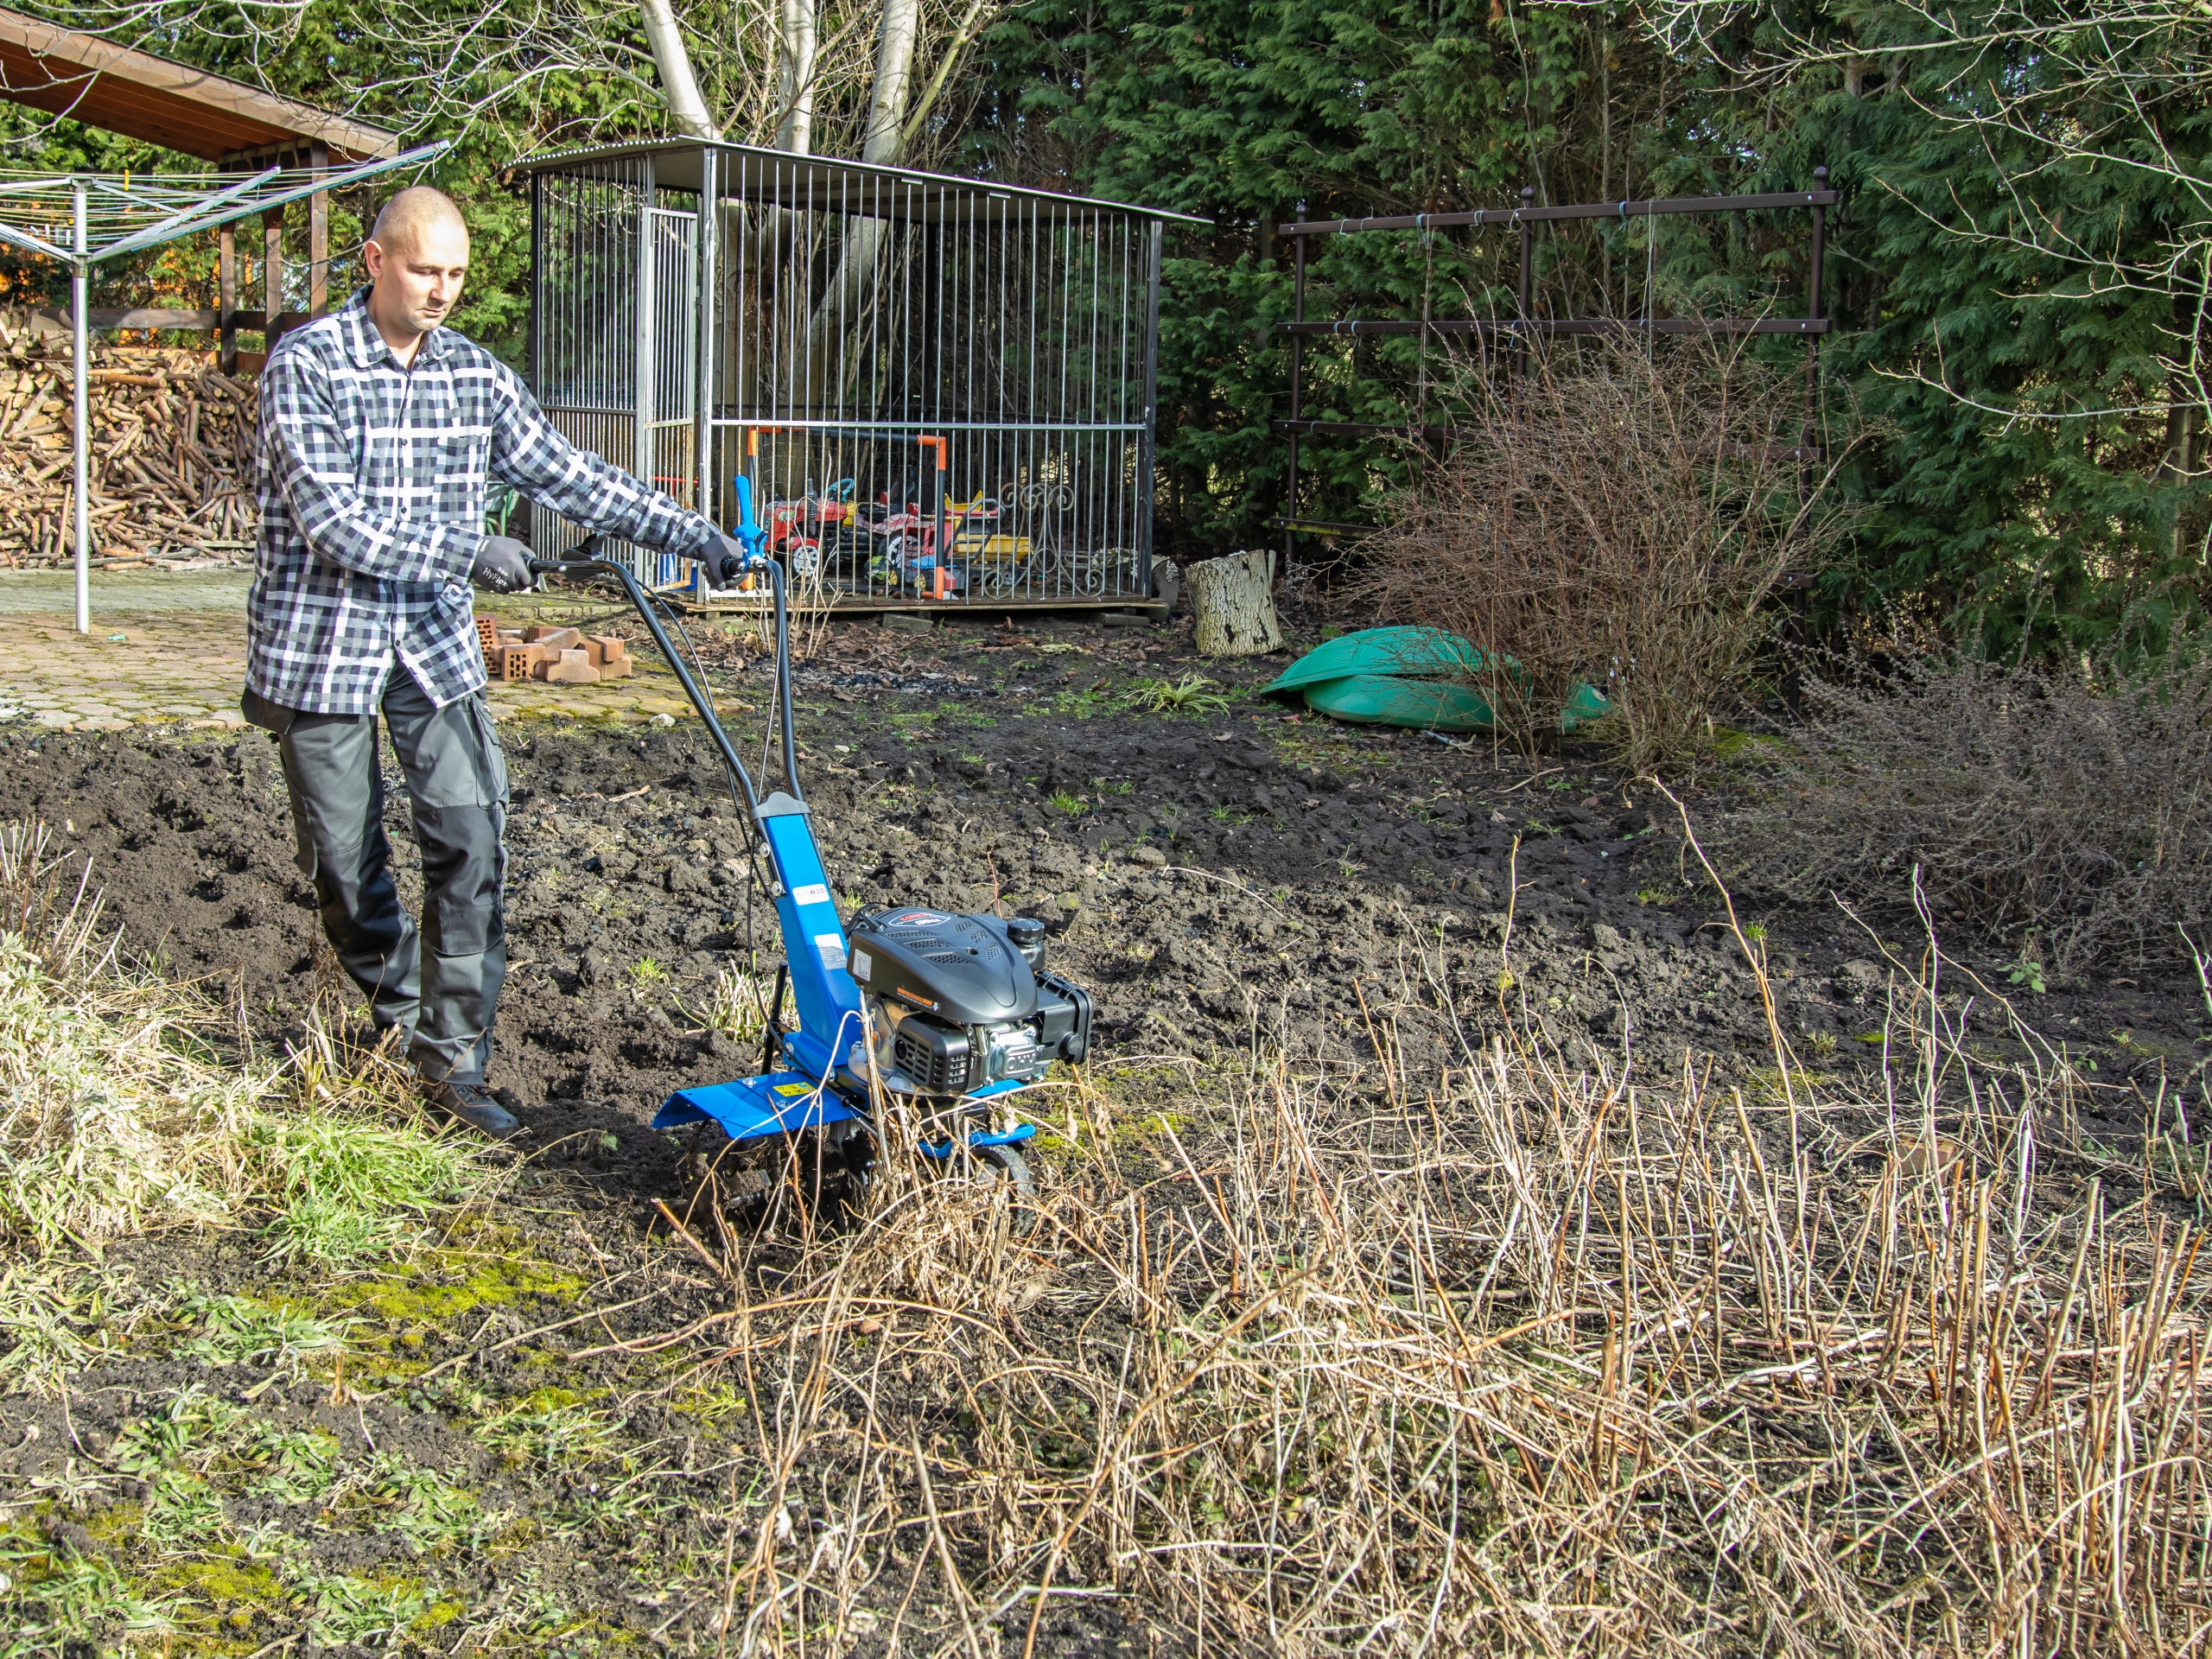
{"x":1812,"y":341}
{"x":1528,"y":297}
{"x":1297,"y":378}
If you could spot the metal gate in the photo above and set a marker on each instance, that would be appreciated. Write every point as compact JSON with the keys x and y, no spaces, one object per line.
{"x":668,"y":370}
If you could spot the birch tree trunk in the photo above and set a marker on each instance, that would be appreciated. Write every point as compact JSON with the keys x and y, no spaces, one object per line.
{"x":884,"y":141}
{"x":1236,"y":609}
{"x":687,"y":109}
{"x":795,"y":44}
{"x":884,"y":144}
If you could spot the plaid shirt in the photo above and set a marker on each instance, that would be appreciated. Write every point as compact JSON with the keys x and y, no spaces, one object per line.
{"x":372,"y":485}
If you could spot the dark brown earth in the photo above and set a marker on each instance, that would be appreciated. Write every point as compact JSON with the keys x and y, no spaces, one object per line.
{"x":1210,"y":876}
{"x":1220,"y":879}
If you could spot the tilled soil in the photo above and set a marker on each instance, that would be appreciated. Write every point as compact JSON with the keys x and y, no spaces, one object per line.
{"x":1221,"y":877}
{"x":1218,"y":877}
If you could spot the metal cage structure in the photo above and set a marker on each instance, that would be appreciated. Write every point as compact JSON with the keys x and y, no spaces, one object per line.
{"x":940,"y":390}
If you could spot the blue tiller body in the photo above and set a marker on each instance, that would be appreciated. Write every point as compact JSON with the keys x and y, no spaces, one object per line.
{"x":955,"y":1011}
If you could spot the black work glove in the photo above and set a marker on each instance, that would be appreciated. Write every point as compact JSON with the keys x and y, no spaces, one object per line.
{"x":723,"y":560}
{"x":503,"y":566}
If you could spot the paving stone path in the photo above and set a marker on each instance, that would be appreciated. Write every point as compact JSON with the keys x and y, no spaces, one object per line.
{"x":168,"y":647}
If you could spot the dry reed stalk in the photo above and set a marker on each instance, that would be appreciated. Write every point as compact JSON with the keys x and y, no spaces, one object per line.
{"x":1528,"y":1358}
{"x":120,"y":1114}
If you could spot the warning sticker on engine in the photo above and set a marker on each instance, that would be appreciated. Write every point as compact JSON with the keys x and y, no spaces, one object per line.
{"x":861,"y":966}
{"x":831,"y":949}
{"x":814,"y":893}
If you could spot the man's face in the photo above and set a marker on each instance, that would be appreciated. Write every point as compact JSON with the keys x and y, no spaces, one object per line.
{"x":418,"y":280}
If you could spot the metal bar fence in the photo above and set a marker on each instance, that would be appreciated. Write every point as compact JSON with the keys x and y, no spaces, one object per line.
{"x":940,"y":390}
{"x":1524,"y":327}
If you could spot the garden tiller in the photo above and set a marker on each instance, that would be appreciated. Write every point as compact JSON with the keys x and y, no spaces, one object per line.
{"x":949,"y":1014}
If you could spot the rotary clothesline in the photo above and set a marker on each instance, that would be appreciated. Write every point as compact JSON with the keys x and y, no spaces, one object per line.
{"x":83,"y":219}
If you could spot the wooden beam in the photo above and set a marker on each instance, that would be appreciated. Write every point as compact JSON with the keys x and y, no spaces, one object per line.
{"x":204,"y":322}
{"x":142,"y":96}
{"x":319,"y":235}
{"x":227,"y":301}
{"x":273,"y":274}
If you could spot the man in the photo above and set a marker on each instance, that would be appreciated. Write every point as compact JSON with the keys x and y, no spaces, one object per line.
{"x":381,"y":430}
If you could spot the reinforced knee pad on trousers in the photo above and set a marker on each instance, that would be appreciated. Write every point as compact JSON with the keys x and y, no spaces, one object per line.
{"x":462,"y":874}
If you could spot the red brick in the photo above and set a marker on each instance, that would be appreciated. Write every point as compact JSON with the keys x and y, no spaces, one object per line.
{"x":574,"y":668}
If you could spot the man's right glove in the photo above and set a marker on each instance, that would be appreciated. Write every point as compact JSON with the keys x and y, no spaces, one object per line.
{"x":503,"y":566}
{"x":724,"y":560}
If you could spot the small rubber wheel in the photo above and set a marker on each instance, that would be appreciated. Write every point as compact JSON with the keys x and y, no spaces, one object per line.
{"x":1014,"y":1169}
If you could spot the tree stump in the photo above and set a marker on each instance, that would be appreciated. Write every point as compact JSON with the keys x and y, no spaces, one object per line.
{"x":1235,"y":606}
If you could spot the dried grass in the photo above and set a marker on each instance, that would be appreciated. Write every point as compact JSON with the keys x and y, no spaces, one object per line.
{"x":2067,"y":814}
{"x":1612,"y":517}
{"x":122,"y":1112}
{"x":1532,"y":1357}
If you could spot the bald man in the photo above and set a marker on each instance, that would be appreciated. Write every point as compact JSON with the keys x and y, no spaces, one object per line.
{"x":381,"y":432}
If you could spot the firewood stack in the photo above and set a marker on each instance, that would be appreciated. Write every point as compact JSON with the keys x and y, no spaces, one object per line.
{"x":559,"y":656}
{"x":172,"y":455}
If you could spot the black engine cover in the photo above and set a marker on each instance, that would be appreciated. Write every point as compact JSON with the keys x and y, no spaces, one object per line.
{"x":967,"y":970}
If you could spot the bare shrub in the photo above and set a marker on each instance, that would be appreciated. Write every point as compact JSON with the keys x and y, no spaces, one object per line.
{"x":2068,"y":814}
{"x":1614,"y":517}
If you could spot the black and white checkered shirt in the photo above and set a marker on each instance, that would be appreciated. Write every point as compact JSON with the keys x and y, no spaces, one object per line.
{"x":372,"y":487}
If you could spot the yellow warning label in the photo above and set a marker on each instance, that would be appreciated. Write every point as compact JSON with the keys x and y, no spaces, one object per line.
{"x":794,"y":1087}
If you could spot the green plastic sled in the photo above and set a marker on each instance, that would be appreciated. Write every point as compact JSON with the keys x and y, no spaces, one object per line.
{"x":1386,"y":700}
{"x":1412,"y":653}
{"x":1415,"y":677}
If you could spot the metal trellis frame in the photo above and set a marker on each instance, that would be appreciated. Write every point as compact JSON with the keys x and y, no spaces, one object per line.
{"x":1524,"y":327}
{"x":85,"y":219}
{"x":939,"y":390}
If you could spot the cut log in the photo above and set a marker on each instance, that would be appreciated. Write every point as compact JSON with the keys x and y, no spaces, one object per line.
{"x":1236,"y":605}
{"x":171,"y":454}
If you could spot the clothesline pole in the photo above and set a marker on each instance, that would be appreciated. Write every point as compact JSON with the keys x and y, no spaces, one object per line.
{"x":80,"y":442}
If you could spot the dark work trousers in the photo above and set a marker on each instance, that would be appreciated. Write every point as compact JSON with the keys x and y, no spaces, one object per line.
{"x":440,"y":987}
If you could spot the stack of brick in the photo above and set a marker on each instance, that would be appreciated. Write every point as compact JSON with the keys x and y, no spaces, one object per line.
{"x":558,"y":656}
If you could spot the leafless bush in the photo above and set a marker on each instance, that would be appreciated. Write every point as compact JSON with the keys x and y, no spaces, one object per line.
{"x":1616,"y":517}
{"x":1514,"y":1358}
{"x":2068,"y":814}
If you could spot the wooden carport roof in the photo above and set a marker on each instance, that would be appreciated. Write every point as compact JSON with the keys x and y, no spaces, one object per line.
{"x":180,"y":108}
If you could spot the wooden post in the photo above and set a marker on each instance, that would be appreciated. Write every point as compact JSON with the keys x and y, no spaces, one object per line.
{"x":319,"y":235}
{"x":273,"y":274}
{"x":226,"y":300}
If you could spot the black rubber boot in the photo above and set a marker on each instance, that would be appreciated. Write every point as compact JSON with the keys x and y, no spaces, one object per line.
{"x":472,"y":1103}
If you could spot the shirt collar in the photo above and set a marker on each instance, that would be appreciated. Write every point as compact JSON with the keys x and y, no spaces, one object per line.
{"x":366,"y":347}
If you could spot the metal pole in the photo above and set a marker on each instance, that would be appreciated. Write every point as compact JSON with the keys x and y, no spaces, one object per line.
{"x":80,"y":443}
{"x":1297,"y":386}
{"x":1527,"y":273}
{"x":1151,"y":406}
{"x":1813,"y":341}
{"x":708,"y":498}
